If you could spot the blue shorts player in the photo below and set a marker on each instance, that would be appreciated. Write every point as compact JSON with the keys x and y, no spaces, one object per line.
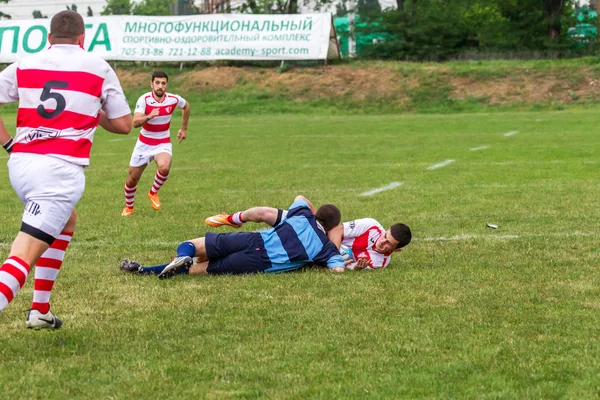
{"x":298,"y":237}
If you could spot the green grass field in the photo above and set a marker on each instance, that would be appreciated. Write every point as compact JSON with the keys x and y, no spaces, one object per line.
{"x":464,"y":312}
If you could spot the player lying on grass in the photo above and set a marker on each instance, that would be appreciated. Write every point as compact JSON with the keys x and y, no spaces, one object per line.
{"x":297,"y":238}
{"x":371,"y":245}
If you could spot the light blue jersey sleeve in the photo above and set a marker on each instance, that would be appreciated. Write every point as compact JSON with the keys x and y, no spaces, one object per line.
{"x":335,"y":262}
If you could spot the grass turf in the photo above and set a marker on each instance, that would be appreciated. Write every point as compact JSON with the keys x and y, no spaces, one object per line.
{"x":463,"y":312}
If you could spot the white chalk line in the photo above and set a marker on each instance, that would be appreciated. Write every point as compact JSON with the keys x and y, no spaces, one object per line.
{"x":440,"y":165}
{"x":479,"y":148}
{"x":466,"y":236}
{"x":104,"y":244}
{"x":116,"y":140}
{"x":391,"y":186}
{"x":211,"y":166}
{"x":511,"y":133}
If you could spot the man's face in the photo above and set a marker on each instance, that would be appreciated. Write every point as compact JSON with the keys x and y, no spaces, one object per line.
{"x":386,"y":243}
{"x":159,"y":86}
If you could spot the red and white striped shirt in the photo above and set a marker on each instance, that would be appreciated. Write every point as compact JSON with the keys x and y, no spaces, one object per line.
{"x":60,"y":92}
{"x":360,"y":235}
{"x":157,"y":130}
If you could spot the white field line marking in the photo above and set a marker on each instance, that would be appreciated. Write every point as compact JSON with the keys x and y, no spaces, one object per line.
{"x":479,"y":148}
{"x":511,"y":133}
{"x":440,"y":165}
{"x":391,"y":186}
{"x":465,"y":236}
{"x":115,"y":140}
{"x":204,"y":165}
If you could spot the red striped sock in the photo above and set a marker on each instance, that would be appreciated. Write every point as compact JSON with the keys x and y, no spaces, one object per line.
{"x":159,"y":180}
{"x":13,"y":274}
{"x":129,"y":195}
{"x":236,"y":218}
{"x":46,"y":271}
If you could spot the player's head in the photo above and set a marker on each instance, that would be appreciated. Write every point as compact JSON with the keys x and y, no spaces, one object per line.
{"x":67,"y":27}
{"x":329,"y":216}
{"x":160,"y":81}
{"x":394,"y":239}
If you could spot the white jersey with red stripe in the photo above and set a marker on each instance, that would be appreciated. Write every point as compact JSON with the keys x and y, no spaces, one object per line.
{"x":360,"y":235}
{"x":60,"y":92}
{"x":157,"y":130}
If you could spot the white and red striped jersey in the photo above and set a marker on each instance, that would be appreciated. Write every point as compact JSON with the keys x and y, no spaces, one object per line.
{"x":157,"y":130}
{"x":60,"y":92}
{"x":360,"y":235}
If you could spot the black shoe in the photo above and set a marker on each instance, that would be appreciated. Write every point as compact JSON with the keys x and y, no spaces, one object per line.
{"x":176,"y":265}
{"x":130,"y":266}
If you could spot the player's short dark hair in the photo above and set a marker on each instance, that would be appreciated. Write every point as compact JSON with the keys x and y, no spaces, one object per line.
{"x":402,"y":234}
{"x":159,"y":74}
{"x":67,"y":25}
{"x":329,"y":216}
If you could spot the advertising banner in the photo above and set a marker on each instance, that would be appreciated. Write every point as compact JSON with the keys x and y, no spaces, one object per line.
{"x":186,"y":38}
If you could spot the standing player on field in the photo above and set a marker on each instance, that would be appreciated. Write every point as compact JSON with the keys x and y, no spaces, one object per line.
{"x":64,"y":92}
{"x":153,"y":112}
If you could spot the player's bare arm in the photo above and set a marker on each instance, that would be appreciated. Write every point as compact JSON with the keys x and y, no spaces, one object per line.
{"x":336,"y":235}
{"x":182,"y":133}
{"x":140,"y":119}
{"x":121,"y":125}
{"x":5,"y":139}
{"x":312,"y":208}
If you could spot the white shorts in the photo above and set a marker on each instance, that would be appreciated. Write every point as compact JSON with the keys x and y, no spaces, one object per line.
{"x":143,"y":153}
{"x":50,"y":189}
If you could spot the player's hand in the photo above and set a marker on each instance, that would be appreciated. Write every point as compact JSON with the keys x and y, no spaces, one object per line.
{"x":181,"y":134}
{"x":362,"y":263}
{"x":152,"y":114}
{"x":349,"y":265}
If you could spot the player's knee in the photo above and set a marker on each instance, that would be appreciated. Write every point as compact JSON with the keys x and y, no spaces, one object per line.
{"x":186,"y":249}
{"x":133,"y":181}
{"x":164,"y":170}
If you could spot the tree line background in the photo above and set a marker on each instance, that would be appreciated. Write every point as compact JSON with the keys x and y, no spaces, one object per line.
{"x":416,"y":29}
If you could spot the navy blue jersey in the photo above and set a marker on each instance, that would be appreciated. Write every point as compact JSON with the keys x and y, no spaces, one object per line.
{"x":297,"y":240}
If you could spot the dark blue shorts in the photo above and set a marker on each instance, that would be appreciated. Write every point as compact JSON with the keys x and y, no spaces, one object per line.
{"x":236,"y":253}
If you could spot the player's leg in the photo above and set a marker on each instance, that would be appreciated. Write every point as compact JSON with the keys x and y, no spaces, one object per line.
{"x":199,"y":268}
{"x":249,"y":257}
{"x":50,"y":188}
{"x":267,"y":215}
{"x":163,"y":163}
{"x":186,"y":251}
{"x":140,"y":158}
{"x":48,"y":266}
{"x":24,"y":252}
{"x":133,"y":177}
